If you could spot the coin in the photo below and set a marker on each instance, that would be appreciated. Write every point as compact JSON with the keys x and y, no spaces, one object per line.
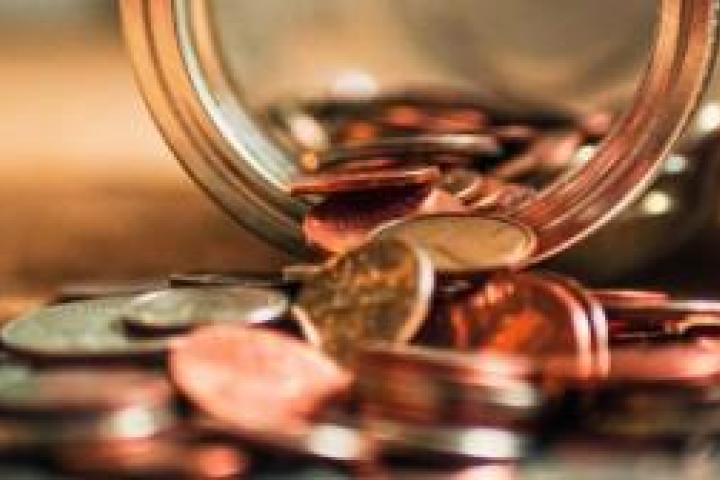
{"x":180,"y":309}
{"x":596,"y":316}
{"x":263,"y":384}
{"x":352,"y":181}
{"x":153,"y":458}
{"x":417,"y":149}
{"x":463,"y":183}
{"x":87,"y":330}
{"x":378,"y":292}
{"x":344,"y":221}
{"x":524,"y":314}
{"x":623,"y":297}
{"x":24,"y":390}
{"x":658,"y":321}
{"x":466,"y":245}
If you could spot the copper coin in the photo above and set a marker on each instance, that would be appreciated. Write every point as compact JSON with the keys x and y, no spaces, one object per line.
{"x":404,"y":116}
{"x":143,"y":458}
{"x":596,"y":316}
{"x":622,"y":297}
{"x":261,"y":383}
{"x":524,"y":314}
{"x":363,"y":180}
{"x":462,"y":245}
{"x":344,"y":221}
{"x":378,"y":292}
{"x":416,"y":149}
{"x":671,"y":318}
{"x":457,"y":120}
{"x":596,"y":125}
{"x":25,"y":391}
{"x":676,"y":363}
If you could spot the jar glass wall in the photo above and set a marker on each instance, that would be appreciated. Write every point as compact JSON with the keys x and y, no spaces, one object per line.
{"x":247,"y":91}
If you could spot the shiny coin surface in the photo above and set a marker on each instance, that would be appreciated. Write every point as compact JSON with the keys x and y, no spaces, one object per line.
{"x":87,"y":330}
{"x":261,"y":383}
{"x":351,"y":181}
{"x":378,"y":292}
{"x":524,"y":314}
{"x":596,"y":316}
{"x":183,"y":308}
{"x":623,"y":297}
{"x":461,"y":244}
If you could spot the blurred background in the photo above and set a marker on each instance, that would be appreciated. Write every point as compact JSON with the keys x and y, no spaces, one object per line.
{"x":89,"y":191}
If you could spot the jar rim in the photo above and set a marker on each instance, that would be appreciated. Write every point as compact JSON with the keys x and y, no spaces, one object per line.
{"x":171,"y":43}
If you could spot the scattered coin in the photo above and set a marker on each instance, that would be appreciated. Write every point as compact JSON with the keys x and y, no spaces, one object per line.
{"x":621,"y":298}
{"x":228,"y":279}
{"x":179,"y":309}
{"x":79,"y":331}
{"x":378,"y":292}
{"x":524,"y":314}
{"x":466,"y":245}
{"x":263,"y":384}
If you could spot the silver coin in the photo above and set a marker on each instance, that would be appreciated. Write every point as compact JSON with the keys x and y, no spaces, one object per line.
{"x":183,"y":308}
{"x":91,"y":329}
{"x":461,"y":244}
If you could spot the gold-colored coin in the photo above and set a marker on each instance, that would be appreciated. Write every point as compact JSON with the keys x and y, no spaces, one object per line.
{"x":461,"y":244}
{"x":378,"y":292}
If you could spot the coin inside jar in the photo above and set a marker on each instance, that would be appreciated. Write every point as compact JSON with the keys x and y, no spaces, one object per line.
{"x":352,"y":181}
{"x":452,"y":242}
{"x":180,"y":309}
{"x":346,"y":220}
{"x":261,"y":383}
{"x":378,"y":292}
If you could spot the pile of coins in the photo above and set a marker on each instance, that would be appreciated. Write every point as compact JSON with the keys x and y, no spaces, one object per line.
{"x":420,"y":347}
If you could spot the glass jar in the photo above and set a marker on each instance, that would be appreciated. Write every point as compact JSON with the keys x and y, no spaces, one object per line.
{"x":212,"y":70}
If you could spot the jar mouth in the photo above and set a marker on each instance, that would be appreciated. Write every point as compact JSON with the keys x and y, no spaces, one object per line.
{"x":224,"y":148}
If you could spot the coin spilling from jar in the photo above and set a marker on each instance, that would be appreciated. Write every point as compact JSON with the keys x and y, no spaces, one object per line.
{"x":412,"y":345}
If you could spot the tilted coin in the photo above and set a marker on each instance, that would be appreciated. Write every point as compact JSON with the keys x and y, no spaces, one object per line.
{"x":417,"y":149}
{"x":625,"y":297}
{"x":663,"y":320}
{"x":180,"y":309}
{"x":461,"y":244}
{"x":87,"y":330}
{"x":596,"y":317}
{"x":72,"y":292}
{"x":263,"y":384}
{"x":344,"y":221}
{"x":352,"y":181}
{"x":524,"y":314}
{"x":378,"y":292}
{"x":153,"y":458}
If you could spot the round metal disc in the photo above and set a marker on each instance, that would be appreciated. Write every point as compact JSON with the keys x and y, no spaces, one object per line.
{"x":262,"y":383}
{"x":24,"y":390}
{"x":463,"y":244}
{"x":378,"y":292}
{"x":524,"y":314}
{"x":85,"y":330}
{"x":183,"y":308}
